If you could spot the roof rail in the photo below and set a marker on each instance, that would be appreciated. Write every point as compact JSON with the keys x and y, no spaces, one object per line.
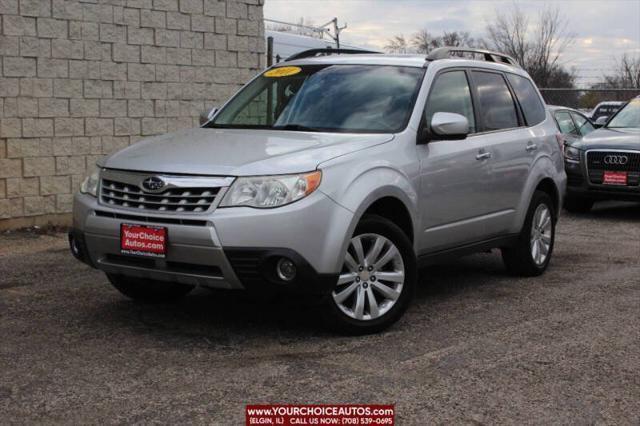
{"x":310,"y":53}
{"x":489,"y":56}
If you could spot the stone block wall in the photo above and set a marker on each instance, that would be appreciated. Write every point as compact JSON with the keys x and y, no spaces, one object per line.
{"x":81,"y":79}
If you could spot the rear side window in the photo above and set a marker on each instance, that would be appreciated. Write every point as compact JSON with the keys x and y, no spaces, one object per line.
{"x":565,"y":123}
{"x":529,"y":100}
{"x":450,"y":93}
{"x":496,"y":108}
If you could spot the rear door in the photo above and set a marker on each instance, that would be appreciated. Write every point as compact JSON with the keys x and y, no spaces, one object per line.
{"x":511,"y":145}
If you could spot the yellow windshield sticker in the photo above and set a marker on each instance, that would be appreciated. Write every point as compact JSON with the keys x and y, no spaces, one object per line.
{"x":282,"y":72}
{"x":635,"y":101}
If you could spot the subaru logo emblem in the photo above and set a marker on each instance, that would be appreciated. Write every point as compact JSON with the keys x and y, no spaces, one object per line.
{"x":153,"y":184}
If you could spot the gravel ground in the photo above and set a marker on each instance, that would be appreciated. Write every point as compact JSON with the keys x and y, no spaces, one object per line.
{"x":477,"y":346}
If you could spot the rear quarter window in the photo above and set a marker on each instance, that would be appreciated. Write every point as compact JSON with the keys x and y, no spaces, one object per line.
{"x":527,"y":95}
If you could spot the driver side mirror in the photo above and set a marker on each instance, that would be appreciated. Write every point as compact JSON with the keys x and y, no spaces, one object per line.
{"x":601,"y":121}
{"x":446,"y":126}
{"x":205,"y":117}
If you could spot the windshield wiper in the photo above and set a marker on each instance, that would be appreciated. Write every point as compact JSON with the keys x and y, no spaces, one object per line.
{"x":297,"y":127}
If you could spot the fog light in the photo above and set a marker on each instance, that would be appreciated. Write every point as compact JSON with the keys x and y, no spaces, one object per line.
{"x":286,"y":269}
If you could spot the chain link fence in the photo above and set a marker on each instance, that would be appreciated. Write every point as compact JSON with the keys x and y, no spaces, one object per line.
{"x":586,"y":99}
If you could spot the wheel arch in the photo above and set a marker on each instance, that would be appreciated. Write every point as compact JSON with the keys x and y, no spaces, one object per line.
{"x":391,"y":208}
{"x":548,"y":186}
{"x":545,"y":177}
{"x":390,"y":202}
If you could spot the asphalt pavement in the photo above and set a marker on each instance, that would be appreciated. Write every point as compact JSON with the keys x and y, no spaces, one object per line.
{"x":477,"y":346}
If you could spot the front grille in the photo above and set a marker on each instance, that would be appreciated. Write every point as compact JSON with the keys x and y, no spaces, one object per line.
{"x":596,"y":161}
{"x":187,"y":200}
{"x":151,"y":219}
{"x":169,"y":266}
{"x":596,"y":165}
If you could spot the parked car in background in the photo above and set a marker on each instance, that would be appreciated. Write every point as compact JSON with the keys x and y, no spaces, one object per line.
{"x":605,"y":164}
{"x":601,"y":113}
{"x":334,"y":176}
{"x":571,"y":123}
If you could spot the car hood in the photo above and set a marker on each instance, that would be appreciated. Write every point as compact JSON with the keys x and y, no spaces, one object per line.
{"x":610,"y":139}
{"x":238,"y":152}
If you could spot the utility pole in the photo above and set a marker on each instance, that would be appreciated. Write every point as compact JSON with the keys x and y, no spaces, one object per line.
{"x":336,"y":30}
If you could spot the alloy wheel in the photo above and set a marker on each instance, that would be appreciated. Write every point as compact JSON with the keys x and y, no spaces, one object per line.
{"x":372,"y":278}
{"x":541,"y":234}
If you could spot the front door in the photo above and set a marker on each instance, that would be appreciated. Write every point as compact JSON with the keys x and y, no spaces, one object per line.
{"x":453,"y":173}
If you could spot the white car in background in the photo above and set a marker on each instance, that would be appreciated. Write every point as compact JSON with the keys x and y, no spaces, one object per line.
{"x":605,"y":109}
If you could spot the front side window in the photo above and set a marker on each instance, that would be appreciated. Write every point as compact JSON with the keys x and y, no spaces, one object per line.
{"x":627,"y":117}
{"x":583,"y":125}
{"x":450,"y":93}
{"x":331,"y":98}
{"x":527,"y":95}
{"x":565,"y":123}
{"x":496,"y":108}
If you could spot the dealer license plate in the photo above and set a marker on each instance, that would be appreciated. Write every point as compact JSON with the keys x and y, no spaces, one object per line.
{"x":614,"y":178}
{"x":143,"y":240}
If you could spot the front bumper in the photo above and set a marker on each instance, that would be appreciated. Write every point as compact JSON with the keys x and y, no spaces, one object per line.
{"x":579,"y":185}
{"x":230,"y":248}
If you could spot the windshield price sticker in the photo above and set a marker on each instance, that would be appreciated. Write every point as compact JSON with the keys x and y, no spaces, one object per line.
{"x":358,"y":414}
{"x":282,"y":72}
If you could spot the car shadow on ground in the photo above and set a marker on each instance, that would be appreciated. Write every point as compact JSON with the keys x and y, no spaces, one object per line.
{"x":225,"y":316}
{"x":219,"y":314}
{"x":612,"y":210}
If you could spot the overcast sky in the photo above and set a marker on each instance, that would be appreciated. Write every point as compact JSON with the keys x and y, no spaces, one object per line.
{"x":603,"y":29}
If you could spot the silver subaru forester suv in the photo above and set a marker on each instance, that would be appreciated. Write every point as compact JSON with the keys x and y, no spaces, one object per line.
{"x":335,"y":175}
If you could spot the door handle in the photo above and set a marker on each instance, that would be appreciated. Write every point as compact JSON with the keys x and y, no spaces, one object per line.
{"x":483,"y":155}
{"x":531,"y":147}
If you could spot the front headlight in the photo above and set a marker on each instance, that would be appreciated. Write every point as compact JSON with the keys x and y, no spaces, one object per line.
{"x":271,"y":191}
{"x":571,"y":154}
{"x":90,"y":184}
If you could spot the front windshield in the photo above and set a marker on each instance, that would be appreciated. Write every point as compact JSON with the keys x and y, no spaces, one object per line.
{"x":627,"y":117}
{"x":329,"y":98}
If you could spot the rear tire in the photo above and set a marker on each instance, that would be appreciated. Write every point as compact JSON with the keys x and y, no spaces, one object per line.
{"x":531,"y":254}
{"x":149,"y":291}
{"x":578,"y":204}
{"x":377,"y":281}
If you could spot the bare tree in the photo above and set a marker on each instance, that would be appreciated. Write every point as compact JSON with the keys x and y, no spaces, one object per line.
{"x":423,"y":42}
{"x":507,"y":34}
{"x":537,"y":47}
{"x":397,"y":44}
{"x":626,"y":74}
{"x":457,"y":39}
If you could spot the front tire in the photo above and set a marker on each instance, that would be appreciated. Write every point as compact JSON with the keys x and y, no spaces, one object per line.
{"x":531,"y":254}
{"x":149,"y":291}
{"x":377,"y":281}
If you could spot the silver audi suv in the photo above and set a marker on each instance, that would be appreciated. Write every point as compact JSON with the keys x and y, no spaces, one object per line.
{"x":335,"y":175}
